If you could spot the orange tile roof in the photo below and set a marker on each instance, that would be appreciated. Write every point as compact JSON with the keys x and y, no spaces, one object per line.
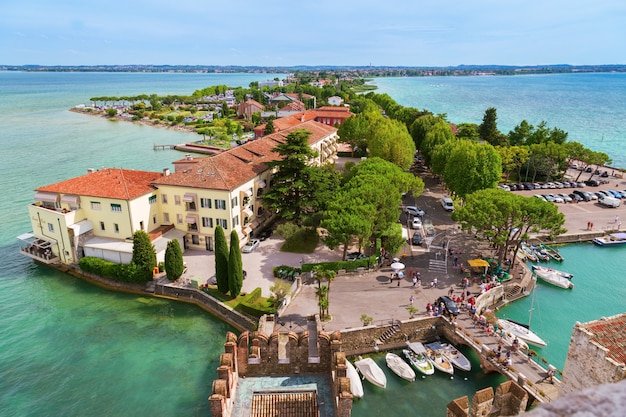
{"x":333,"y":111}
{"x":228,"y":170}
{"x":122,"y":184}
{"x":611,"y":333}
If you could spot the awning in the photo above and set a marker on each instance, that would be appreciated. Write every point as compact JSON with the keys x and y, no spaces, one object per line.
{"x":26,"y":236}
{"x":188,"y":198}
{"x":477,"y":263}
{"x":191,"y":219}
{"x":248,"y":212}
{"x":248,"y":192}
{"x":81,"y":227}
{"x":47,"y":197}
{"x":72,"y":200}
{"x":261,"y":184}
{"x":247,"y":230}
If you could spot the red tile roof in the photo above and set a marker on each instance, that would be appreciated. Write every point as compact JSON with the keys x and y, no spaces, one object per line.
{"x":122,"y":184}
{"x":611,"y":333}
{"x":228,"y":170}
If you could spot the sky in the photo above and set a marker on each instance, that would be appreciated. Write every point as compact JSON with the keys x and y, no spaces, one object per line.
{"x":319,"y":32}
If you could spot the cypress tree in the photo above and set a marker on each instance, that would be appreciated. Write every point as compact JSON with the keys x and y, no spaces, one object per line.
{"x":174,"y":265}
{"x":221,"y":260}
{"x":144,"y":256}
{"x":235,"y":267}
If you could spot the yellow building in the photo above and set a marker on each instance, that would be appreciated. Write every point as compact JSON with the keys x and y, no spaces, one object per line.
{"x":96,"y":214}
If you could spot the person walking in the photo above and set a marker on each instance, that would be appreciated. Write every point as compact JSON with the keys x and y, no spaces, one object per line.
{"x":435,"y":282}
{"x":414,"y":280}
{"x":411,"y":299}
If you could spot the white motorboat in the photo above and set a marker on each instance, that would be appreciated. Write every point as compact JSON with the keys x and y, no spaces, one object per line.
{"x":419,"y":362}
{"x":434,"y":353}
{"x":400,"y":367}
{"x":561,"y":273}
{"x":356,"y":386}
{"x":458,"y":359}
{"x":371,"y":372}
{"x":553,"y":277}
{"x":611,"y":240}
{"x":521,"y":332}
{"x":552,"y":253}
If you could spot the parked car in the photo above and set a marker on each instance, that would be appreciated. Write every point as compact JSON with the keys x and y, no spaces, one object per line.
{"x":449,"y":306}
{"x":513,"y":187}
{"x":580,"y":185}
{"x":583,"y":194}
{"x":251,"y":245}
{"x":416,"y":239}
{"x":548,"y":197}
{"x":574,"y":166}
{"x":447,"y":204}
{"x":557,"y":199}
{"x":576,"y":197}
{"x":592,"y":183}
{"x":558,"y":184}
{"x":353,"y":256}
{"x":416,"y":223}
{"x":605,"y":174}
{"x":615,"y":193}
{"x":540,"y":197}
{"x":504,"y":187}
{"x":591,"y":195}
{"x":588,"y":169}
{"x":565,"y":197}
{"x":414,"y":211}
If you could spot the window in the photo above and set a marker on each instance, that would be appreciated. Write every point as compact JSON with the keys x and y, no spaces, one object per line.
{"x":179,"y":218}
{"x":152,"y":199}
{"x":95,"y":205}
{"x":116,"y":227}
{"x":166,"y":218}
{"x":205,"y":202}
{"x":236,"y":221}
{"x":220,"y":204}
{"x":222,"y":222}
{"x":117,"y":208}
{"x":153,"y":219}
{"x":190,"y":206}
{"x":234,"y":202}
{"x":102,"y":226}
{"x":164,"y":198}
{"x":177,"y":200}
{"x":50,"y":227}
{"x":207,"y":222}
{"x":259,"y":192}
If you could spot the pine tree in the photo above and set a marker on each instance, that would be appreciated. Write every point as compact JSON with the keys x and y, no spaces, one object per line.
{"x":174,"y":265}
{"x":235,"y":268}
{"x":221,"y":260}
{"x":144,"y":256}
{"x":269,"y":127}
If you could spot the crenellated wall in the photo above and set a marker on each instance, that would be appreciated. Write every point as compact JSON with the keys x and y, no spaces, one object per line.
{"x":509,"y":400}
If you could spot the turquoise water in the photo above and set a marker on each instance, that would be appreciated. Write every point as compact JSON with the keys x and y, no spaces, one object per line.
{"x":590,"y":107}
{"x":71,"y":349}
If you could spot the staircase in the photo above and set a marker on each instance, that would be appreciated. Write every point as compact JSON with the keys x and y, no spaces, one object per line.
{"x":388,"y":334}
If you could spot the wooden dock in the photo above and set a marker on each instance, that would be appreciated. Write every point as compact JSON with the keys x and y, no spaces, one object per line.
{"x":163,"y":147}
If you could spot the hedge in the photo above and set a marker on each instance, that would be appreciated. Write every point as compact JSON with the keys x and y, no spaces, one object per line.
{"x":255,"y":305}
{"x":347,"y":265}
{"x":108,"y":269}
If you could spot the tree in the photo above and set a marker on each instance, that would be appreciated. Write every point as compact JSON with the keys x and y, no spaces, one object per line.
{"x":439,"y":133}
{"x":144,"y":256}
{"x":322,"y":300}
{"x":174,"y":265}
{"x":221,"y":260}
{"x":280,"y":291}
{"x":111,"y":112}
{"x":471,"y":166}
{"x":269,"y":126}
{"x":235,"y":268}
{"x":353,"y":131}
{"x":420,"y":127}
{"x":467,"y":131}
{"x":291,"y":195}
{"x":488,"y":129}
{"x":390,"y":140}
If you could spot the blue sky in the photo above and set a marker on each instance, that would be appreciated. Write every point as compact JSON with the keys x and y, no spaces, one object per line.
{"x":321,"y":32}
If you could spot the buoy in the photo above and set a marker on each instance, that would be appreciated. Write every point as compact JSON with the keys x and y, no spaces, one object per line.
{"x":451,"y":377}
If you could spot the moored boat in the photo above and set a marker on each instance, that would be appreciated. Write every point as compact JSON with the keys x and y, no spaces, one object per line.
{"x":440,"y":362}
{"x":521,"y":332}
{"x":419,"y":362}
{"x":611,"y":240}
{"x":552,"y":253}
{"x":372,"y":372}
{"x":553,"y":277}
{"x":561,"y":273}
{"x":400,"y":367}
{"x":540,"y":253}
{"x":529,"y":253}
{"x":457,"y":359}
{"x":356,"y":386}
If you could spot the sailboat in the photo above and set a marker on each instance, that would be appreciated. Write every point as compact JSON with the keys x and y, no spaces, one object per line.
{"x":522,"y":331}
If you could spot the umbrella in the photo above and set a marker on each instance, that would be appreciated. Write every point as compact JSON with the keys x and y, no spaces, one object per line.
{"x":397,"y":266}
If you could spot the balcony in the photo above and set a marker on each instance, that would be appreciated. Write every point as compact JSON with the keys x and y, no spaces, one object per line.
{"x":40,"y":250}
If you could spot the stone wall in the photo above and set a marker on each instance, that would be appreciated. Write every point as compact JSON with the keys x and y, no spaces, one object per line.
{"x":587,"y":364}
{"x":509,"y":400}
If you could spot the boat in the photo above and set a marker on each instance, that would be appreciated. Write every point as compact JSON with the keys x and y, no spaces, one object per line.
{"x":372,"y":372}
{"x":529,"y":253}
{"x":356,"y":386}
{"x":540,"y":253}
{"x":419,"y":362}
{"x":457,"y":359}
{"x":439,"y":361}
{"x":553,"y":277}
{"x":613,"y":239}
{"x":400,"y":367}
{"x":521,"y":331}
{"x":552,"y":253}
{"x":561,"y":273}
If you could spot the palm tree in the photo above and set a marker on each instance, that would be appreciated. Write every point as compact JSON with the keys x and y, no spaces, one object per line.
{"x":322,"y":299}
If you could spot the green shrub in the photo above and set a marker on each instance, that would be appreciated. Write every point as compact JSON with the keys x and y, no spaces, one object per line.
{"x":286,"y":272}
{"x":347,"y":265}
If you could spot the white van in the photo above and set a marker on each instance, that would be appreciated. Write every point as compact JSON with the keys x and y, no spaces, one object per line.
{"x":609,"y":201}
{"x":447,"y":204}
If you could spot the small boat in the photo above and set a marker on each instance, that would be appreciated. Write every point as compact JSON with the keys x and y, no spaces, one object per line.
{"x":529,"y":253}
{"x":553,"y":277}
{"x":440,"y":362}
{"x":356,"y":386}
{"x":540,"y":253}
{"x":400,"y":367}
{"x":561,"y":273}
{"x":552,"y":253}
{"x":611,"y":240}
{"x":371,"y":372}
{"x":419,"y":362}
{"x":458,"y":359}
{"x":521,"y":332}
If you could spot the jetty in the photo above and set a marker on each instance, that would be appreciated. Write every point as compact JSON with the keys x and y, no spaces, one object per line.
{"x":163,"y":147}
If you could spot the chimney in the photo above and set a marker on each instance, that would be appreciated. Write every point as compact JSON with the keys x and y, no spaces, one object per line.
{"x":166,"y":172}
{"x":302,"y":118}
{"x":188,"y":156}
{"x":90,"y":170}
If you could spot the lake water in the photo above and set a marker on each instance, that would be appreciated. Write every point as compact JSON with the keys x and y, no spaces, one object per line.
{"x":72,"y":349}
